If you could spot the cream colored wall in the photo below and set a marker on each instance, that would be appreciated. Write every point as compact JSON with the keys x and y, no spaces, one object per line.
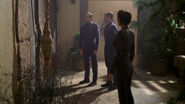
{"x":99,"y":7}
{"x":6,"y":41}
{"x":42,"y":13}
{"x":68,"y":25}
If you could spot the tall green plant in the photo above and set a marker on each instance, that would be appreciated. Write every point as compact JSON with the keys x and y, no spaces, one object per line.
{"x":160,"y":30}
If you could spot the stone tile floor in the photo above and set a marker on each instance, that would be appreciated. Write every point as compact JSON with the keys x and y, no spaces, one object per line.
{"x":147,"y":89}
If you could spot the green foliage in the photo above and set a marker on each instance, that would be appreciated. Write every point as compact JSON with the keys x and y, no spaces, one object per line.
{"x":50,"y":89}
{"x":164,"y":8}
{"x":180,"y":99}
{"x":77,"y":36}
{"x":156,"y":49}
{"x":160,"y":30}
{"x":74,"y":52}
{"x":156,"y":40}
{"x":181,"y":96}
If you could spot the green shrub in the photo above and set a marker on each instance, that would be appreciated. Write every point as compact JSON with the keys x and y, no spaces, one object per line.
{"x":159,"y":29}
{"x":75,"y":53}
{"x":180,"y":99}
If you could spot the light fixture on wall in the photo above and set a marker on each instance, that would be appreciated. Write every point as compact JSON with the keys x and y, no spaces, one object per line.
{"x":73,"y":1}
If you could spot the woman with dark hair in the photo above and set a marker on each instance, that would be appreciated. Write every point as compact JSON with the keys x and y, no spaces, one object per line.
{"x":124,"y":45}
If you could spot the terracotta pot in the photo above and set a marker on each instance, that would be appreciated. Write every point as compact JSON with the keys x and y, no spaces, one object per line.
{"x":180,"y":43}
{"x":78,"y":64}
{"x":159,"y":68}
{"x":179,"y":63}
{"x":143,"y":62}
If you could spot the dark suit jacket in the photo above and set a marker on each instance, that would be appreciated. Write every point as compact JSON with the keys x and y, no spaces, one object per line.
{"x":89,"y":36}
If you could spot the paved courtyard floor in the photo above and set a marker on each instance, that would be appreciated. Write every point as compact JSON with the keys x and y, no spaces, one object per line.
{"x":147,"y":89}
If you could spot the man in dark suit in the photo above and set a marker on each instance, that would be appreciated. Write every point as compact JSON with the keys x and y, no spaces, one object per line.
{"x":110,"y":32}
{"x":89,"y":41}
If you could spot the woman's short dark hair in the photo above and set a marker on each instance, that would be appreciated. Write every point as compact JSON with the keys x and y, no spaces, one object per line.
{"x":124,"y":17}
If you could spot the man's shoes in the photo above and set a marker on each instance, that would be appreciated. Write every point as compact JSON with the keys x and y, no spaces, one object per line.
{"x":92,"y":84}
{"x":84,"y":81}
{"x":107,"y":84}
{"x":112,"y":87}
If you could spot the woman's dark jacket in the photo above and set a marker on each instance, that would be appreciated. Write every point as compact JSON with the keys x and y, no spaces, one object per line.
{"x":124,"y":45}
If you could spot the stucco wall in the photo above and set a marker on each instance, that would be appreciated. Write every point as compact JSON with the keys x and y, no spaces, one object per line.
{"x":24,"y":32}
{"x":42,"y":13}
{"x":68,"y":25}
{"x":99,"y":7}
{"x":6,"y":35}
{"x":6,"y":41}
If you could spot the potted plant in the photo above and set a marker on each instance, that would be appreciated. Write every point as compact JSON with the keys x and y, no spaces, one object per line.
{"x":161,"y":28}
{"x":159,"y":55}
{"x":74,"y":54}
{"x":77,"y":60}
{"x":156,"y":41}
{"x":76,"y":39}
{"x":157,"y":44}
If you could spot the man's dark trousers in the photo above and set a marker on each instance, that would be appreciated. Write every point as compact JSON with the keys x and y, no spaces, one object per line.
{"x":88,"y":54}
{"x":109,"y":58}
{"x":110,"y":32}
